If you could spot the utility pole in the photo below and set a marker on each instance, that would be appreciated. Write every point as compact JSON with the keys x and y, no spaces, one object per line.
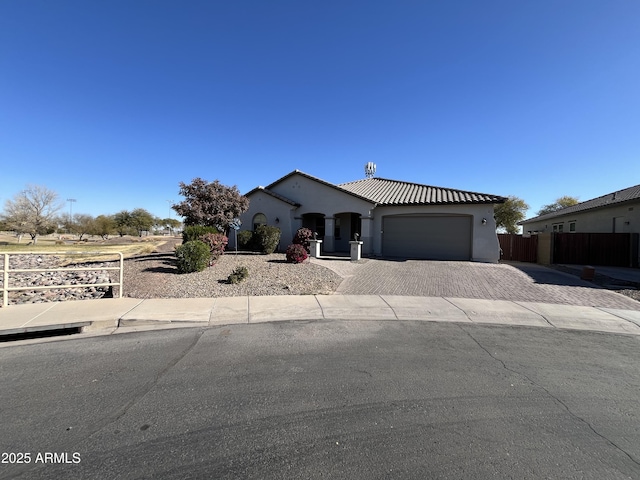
{"x":71,"y":202}
{"x":170,"y":202}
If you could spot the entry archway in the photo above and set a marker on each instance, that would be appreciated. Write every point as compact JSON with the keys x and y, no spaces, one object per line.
{"x":345,"y":226}
{"x":315,"y":223}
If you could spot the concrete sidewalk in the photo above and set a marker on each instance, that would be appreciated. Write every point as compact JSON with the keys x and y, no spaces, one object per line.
{"x":128,"y":314}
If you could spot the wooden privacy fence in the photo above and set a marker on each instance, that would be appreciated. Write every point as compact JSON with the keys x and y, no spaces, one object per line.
{"x":611,"y":249}
{"x":517,"y":248}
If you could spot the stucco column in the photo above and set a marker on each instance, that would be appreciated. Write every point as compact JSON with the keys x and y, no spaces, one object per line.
{"x":329,"y":229}
{"x":315,"y":246}
{"x":356,"y":250}
{"x":366,"y":234}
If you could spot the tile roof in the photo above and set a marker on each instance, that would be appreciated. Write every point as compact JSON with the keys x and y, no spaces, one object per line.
{"x":394,"y":192}
{"x":631,"y":193}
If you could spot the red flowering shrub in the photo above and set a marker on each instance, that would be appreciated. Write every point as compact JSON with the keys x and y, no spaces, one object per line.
{"x":296,"y":253}
{"x":216,"y":243}
{"x":302,"y":237}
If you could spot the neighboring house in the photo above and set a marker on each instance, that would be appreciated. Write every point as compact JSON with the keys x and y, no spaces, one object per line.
{"x":392,"y":218}
{"x":617,"y":212}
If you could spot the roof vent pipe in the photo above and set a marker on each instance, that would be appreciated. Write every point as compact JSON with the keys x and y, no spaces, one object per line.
{"x":370,"y":169}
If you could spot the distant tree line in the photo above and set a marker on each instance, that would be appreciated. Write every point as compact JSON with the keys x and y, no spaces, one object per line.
{"x":36,"y":211}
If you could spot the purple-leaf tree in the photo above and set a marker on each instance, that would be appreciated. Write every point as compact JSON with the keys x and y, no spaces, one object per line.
{"x":210,"y":204}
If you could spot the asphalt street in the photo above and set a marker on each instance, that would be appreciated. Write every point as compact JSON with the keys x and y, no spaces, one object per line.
{"x":324,"y":399}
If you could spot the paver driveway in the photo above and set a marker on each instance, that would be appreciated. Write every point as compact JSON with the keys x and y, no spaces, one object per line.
{"x":516,"y":282}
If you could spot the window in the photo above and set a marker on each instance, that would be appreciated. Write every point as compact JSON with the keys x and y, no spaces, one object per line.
{"x":259,"y":219}
{"x":572,"y":226}
{"x":558,"y":227}
{"x":336,"y":230}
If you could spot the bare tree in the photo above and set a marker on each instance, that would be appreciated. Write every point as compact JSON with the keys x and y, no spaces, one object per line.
{"x":33,"y":211}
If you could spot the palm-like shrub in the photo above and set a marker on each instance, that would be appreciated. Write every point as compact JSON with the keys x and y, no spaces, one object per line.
{"x":238,"y":275}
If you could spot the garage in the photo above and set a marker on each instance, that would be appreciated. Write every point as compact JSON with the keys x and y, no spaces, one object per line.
{"x":436,"y":237}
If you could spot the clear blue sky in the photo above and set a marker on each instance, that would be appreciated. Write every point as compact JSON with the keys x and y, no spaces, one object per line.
{"x":113,"y":103}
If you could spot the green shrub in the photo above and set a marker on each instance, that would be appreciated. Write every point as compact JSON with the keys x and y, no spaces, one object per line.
{"x":245,"y":240}
{"x":216,"y":242}
{"x":296,"y":253}
{"x":192,"y":256}
{"x":267,"y":238}
{"x":194,"y":232}
{"x":238,"y":275}
{"x":302,"y":237}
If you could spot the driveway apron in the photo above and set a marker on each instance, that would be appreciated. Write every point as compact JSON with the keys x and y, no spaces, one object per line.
{"x":515,"y":282}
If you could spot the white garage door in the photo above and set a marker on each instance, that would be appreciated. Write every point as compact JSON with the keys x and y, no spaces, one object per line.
{"x":427,"y":236}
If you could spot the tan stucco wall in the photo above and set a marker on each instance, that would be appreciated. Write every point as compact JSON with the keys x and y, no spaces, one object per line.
{"x":272,"y":208}
{"x":316,"y":197}
{"x":484,"y":246}
{"x":544,"y":248}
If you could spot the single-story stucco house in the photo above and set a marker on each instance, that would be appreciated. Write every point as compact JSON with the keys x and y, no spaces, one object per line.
{"x":616,"y":212}
{"x":393,"y":218}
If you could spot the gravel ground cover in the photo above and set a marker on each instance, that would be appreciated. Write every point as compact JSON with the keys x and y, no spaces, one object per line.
{"x":54,"y":278}
{"x":156,"y":276}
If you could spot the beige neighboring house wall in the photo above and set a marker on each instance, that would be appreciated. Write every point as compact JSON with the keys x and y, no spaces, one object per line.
{"x":337,"y":211}
{"x":615,"y":219}
{"x":617,"y":212}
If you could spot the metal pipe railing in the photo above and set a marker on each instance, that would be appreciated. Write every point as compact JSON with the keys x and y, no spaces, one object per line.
{"x":6,"y":288}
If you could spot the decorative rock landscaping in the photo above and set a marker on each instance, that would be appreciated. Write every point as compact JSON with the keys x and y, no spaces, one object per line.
{"x":37,"y":279}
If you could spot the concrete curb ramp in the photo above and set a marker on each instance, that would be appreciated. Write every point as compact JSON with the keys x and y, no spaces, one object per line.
{"x":129,"y":314}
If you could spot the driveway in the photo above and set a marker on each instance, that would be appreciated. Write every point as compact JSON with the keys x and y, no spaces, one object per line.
{"x":514,"y":281}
